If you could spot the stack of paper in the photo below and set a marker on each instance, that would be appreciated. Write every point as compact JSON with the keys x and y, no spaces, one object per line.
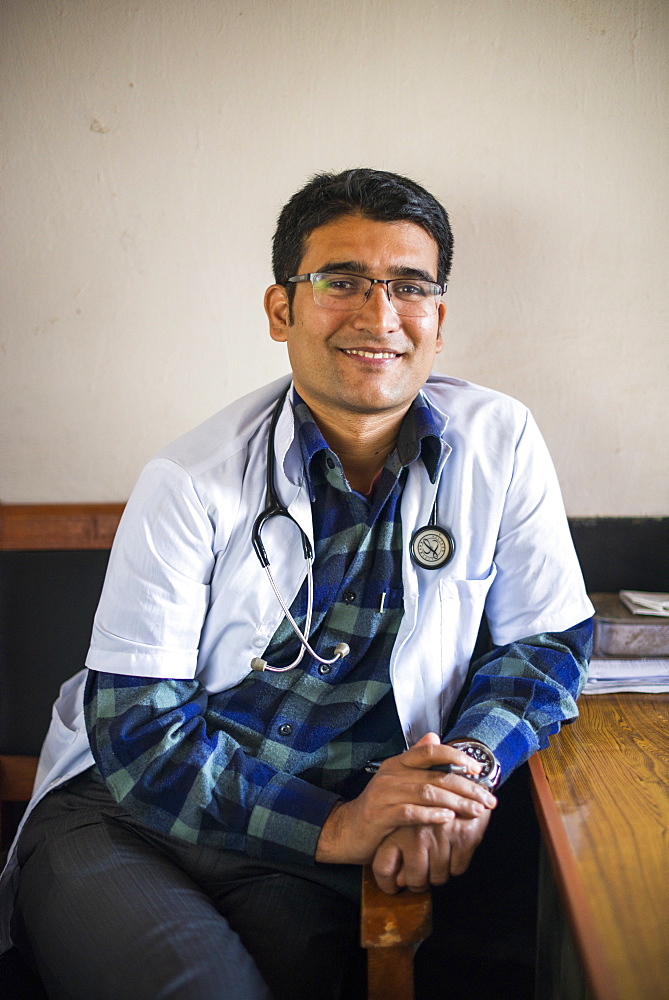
{"x":631,"y":643}
{"x":649,"y":676}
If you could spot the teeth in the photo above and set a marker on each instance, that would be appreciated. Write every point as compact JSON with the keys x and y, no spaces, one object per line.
{"x":371,"y":354}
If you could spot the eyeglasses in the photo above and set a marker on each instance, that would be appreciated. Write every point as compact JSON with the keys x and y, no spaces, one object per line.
{"x":348,"y":292}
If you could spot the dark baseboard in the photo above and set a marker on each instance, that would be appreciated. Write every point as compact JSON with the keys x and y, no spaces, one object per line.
{"x":623,"y":553}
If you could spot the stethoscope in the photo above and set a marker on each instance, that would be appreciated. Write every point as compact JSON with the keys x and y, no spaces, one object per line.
{"x":431,"y":547}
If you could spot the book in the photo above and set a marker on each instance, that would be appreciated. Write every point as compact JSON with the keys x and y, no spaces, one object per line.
{"x":643,"y":602}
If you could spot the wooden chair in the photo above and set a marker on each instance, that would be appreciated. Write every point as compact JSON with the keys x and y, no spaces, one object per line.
{"x":17,"y":776}
{"x":391,"y":926}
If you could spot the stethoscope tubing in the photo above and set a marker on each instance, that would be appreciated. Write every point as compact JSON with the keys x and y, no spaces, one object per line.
{"x":274,"y":508}
{"x":439,"y":551}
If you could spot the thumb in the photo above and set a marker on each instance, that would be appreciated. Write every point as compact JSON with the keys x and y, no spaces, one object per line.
{"x":429,"y":738}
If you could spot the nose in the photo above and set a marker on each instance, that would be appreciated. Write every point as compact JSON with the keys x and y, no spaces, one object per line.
{"x":378,"y":313}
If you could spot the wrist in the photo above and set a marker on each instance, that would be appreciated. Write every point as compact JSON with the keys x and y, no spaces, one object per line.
{"x":329,"y":839}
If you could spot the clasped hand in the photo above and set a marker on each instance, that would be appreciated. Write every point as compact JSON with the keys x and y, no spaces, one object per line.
{"x":416,"y":826}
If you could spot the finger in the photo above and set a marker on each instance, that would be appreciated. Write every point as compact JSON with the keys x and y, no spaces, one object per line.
{"x":386,"y":865}
{"x":415,"y":873}
{"x":425,"y":857}
{"x":412,"y":815}
{"x":461,"y":858}
{"x":406,"y":803}
{"x":468,"y":789}
{"x":463,"y":807}
{"x":429,"y":752}
{"x":440,"y":859}
{"x":465,"y":798}
{"x":466,"y":838}
{"x":430,"y":739}
{"x":397,"y":760}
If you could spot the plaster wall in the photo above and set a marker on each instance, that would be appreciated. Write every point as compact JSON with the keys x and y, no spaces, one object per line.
{"x":149,"y":145}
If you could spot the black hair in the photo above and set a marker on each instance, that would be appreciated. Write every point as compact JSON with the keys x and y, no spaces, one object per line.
{"x":374,"y":194}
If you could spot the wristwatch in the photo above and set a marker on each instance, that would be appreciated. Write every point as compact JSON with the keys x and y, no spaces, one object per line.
{"x":491,"y":770}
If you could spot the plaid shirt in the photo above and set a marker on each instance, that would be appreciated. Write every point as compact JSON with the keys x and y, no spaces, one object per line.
{"x":258,"y":768}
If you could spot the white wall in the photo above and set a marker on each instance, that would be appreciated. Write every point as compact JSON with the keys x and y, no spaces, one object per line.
{"x":149,"y":145}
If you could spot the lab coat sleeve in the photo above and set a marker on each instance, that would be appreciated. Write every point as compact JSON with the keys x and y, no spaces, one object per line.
{"x":156,"y":590}
{"x":538,"y":585}
{"x":526,"y":687}
{"x":163,"y":750}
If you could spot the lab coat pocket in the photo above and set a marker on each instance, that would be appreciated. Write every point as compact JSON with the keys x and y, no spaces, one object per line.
{"x":462,"y":603}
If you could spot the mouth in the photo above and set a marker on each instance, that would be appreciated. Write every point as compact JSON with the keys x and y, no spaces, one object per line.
{"x":359,"y":352}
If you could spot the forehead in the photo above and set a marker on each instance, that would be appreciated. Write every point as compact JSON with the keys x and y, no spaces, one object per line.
{"x":376,"y":246}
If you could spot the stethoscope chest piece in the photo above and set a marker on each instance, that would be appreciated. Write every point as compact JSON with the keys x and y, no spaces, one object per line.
{"x":431,"y":547}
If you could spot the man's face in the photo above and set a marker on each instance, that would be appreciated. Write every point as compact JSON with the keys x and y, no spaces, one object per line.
{"x":370,"y":361}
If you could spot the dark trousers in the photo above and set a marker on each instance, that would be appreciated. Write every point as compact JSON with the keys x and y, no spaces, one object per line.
{"x":108,"y":908}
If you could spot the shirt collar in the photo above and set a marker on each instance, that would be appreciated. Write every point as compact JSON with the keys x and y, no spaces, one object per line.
{"x":419,"y":437}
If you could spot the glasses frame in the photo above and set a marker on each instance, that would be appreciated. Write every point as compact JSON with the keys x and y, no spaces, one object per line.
{"x":313,"y":275}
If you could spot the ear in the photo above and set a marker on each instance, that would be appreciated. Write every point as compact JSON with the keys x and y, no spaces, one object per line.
{"x":278,"y":312}
{"x":441,"y":309}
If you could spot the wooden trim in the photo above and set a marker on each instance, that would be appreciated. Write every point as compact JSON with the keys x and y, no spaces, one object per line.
{"x":31,"y":527}
{"x":570,"y":886}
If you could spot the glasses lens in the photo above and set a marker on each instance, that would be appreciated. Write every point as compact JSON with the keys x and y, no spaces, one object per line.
{"x":340,"y":291}
{"x":347,"y":292}
{"x":413,"y":298}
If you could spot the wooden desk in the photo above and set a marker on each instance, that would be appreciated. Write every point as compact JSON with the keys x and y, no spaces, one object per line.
{"x":602,"y":797}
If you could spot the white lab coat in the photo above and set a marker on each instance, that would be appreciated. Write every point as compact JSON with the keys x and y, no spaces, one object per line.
{"x":185,"y":595}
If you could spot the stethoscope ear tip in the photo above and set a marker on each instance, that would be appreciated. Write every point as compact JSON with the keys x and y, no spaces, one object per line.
{"x":341,"y":650}
{"x":257,"y":663}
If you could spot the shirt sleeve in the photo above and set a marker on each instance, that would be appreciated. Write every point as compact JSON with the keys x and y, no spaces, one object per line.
{"x":164,"y":753}
{"x":520,"y":694}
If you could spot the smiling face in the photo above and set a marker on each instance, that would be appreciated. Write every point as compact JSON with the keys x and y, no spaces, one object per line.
{"x":370,"y":361}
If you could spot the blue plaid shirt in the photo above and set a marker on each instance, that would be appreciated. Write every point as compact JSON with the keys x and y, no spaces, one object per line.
{"x":258,"y":768}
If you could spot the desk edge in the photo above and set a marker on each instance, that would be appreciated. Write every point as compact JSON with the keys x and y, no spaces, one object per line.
{"x":572,"y":891}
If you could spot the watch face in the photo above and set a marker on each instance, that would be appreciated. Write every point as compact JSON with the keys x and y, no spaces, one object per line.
{"x":431,"y":547}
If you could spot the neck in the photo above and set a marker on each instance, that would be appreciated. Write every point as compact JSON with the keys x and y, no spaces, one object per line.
{"x":362,"y":442}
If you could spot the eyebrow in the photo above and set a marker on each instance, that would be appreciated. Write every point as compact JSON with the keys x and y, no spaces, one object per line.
{"x":357,"y":267}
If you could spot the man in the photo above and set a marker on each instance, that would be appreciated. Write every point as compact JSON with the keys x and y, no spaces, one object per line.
{"x":213,"y":787}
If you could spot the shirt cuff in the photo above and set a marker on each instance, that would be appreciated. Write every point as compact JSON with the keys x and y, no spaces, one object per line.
{"x":287,"y":819}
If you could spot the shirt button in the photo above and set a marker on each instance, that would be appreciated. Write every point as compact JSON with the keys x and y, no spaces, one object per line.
{"x":285,"y":729}
{"x":324,"y":668}
{"x":349,"y":597}
{"x":330,"y":462}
